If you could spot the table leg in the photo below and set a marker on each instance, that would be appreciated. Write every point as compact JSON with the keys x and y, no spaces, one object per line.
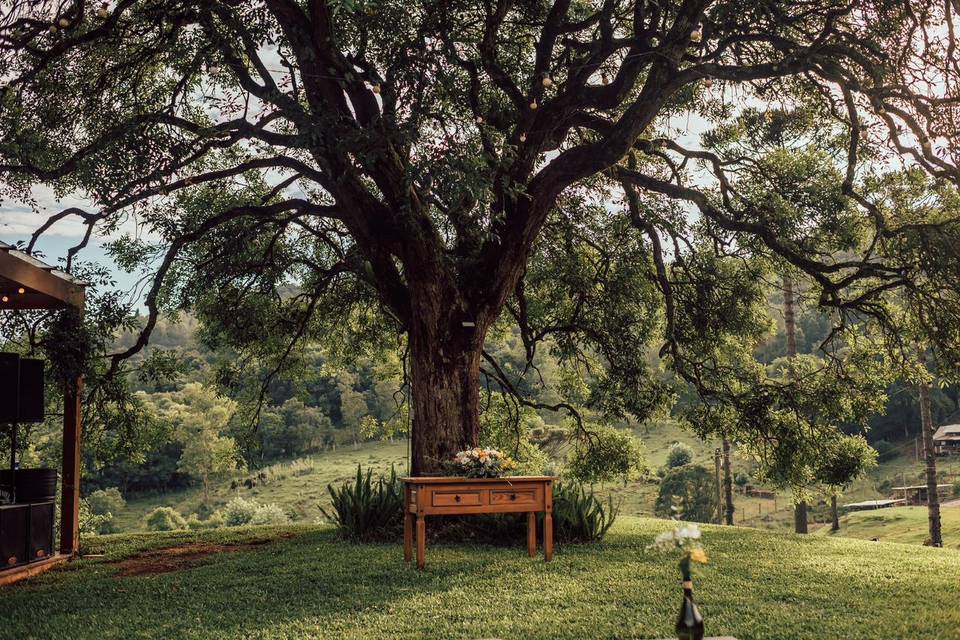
{"x":421,"y":540}
{"x":407,"y":536}
{"x":548,"y":536}
{"x":532,"y":534}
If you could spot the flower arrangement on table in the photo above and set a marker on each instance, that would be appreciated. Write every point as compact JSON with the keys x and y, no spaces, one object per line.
{"x":481,"y":463}
{"x":686,"y":539}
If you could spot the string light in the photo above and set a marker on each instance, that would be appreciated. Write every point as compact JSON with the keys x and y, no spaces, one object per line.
{"x":479,"y":119}
{"x":5,"y":299}
{"x":533,"y":104}
{"x":103,"y":12}
{"x":375,"y":88}
{"x":547,"y":80}
{"x":64,"y":23}
{"x":696,"y":35}
{"x":523,"y":137}
{"x":21,"y":291}
{"x":654,"y":41}
{"x":53,"y":28}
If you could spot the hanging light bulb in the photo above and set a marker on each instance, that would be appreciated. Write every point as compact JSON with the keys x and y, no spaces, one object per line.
{"x":533,"y":104}
{"x":479,"y":119}
{"x":64,"y":23}
{"x":654,"y":41}
{"x":104,"y":11}
{"x":547,"y":80}
{"x":53,"y":28}
{"x":696,"y":35}
{"x":376,"y":87}
{"x":523,"y":137}
{"x":5,"y":299}
{"x":21,"y":291}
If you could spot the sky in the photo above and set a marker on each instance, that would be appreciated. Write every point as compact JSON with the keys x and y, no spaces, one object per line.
{"x":18,"y":221}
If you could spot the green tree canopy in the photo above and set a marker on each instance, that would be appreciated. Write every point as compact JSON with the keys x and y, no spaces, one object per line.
{"x":333,"y":170}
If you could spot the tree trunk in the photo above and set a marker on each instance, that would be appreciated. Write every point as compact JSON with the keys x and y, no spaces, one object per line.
{"x":834,"y":514}
{"x":727,"y":481}
{"x":926,"y":429}
{"x":790,"y":327}
{"x":445,"y":384}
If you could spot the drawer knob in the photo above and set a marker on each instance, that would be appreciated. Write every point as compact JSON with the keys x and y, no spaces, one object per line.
{"x":457,"y":498}
{"x":513,"y":496}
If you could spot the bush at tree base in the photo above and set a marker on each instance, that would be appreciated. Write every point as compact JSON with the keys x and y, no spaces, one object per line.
{"x":366,"y":509}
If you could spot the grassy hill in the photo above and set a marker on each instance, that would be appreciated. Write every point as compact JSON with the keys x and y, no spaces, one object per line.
{"x":900,"y":524}
{"x":305,"y":583}
{"x":300,"y":487}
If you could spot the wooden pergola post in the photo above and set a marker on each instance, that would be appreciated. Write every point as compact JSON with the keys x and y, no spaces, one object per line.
{"x":70,"y":474}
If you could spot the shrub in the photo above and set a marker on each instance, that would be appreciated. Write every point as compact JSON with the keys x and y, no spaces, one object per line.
{"x":579,"y":516}
{"x":606,"y":454}
{"x":165,"y":519}
{"x":885,"y":450}
{"x":269,"y":514}
{"x":104,"y":501}
{"x":689,"y":493}
{"x":196,"y":523}
{"x":239,"y":512}
{"x":366,"y":509}
{"x":101,"y":506}
{"x":92,"y":523}
{"x":741,"y":479}
{"x":679,"y":455}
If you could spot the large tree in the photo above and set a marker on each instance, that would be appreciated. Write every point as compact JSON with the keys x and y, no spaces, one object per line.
{"x":333,"y":167}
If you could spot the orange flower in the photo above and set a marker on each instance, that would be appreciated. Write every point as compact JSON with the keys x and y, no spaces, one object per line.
{"x":699,"y":555}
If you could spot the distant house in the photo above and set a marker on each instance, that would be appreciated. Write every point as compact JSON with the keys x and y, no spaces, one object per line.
{"x":946,"y":441}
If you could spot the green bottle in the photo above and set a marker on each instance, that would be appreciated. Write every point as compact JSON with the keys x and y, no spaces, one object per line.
{"x":689,"y":621}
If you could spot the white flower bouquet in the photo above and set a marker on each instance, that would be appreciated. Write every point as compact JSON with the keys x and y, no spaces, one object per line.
{"x":481,"y":463}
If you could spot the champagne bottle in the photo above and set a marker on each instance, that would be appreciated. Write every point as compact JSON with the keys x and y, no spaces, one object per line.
{"x":689,"y":621}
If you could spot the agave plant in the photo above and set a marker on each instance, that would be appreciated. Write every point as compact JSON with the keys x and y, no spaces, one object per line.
{"x":367,"y":509}
{"x":580,"y":516}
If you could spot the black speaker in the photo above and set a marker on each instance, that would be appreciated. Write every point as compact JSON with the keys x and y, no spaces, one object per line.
{"x":31,"y":390}
{"x":41,"y":530}
{"x":13,"y":535}
{"x":9,"y":387}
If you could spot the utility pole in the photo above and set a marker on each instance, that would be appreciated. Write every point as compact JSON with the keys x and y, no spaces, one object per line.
{"x":727,"y":480}
{"x":716,"y":463}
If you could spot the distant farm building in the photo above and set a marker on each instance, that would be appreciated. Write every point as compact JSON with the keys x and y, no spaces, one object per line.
{"x":917,"y":494}
{"x":946,"y":441}
{"x":874,"y":504}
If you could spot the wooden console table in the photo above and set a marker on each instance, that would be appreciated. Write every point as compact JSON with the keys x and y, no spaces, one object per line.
{"x":455,"y":496}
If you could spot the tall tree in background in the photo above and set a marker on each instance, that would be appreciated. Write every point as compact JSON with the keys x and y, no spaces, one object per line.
{"x":790,"y":328}
{"x":930,"y":459}
{"x":324,"y":169}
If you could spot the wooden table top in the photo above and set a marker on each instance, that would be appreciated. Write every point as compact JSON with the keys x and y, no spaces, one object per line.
{"x":463,"y":479}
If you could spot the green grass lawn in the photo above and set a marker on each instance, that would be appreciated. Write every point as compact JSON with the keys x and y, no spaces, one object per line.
{"x":758,"y":585}
{"x":900,"y":524}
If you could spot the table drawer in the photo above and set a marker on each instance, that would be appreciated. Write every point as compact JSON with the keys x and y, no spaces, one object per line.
{"x":524,"y":497}
{"x":457,"y":499}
